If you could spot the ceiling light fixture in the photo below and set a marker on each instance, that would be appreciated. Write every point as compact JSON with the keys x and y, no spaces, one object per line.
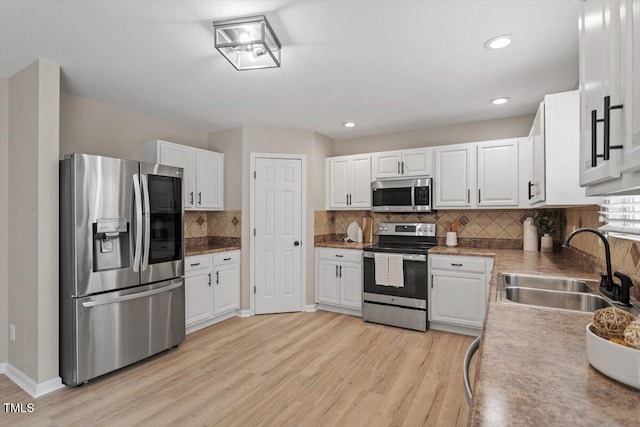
{"x":349,"y":124}
{"x":248,"y":43}
{"x":498,"y":42}
{"x":501,"y":100}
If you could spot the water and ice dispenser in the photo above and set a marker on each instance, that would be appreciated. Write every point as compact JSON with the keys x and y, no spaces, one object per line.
{"x":111,"y":243}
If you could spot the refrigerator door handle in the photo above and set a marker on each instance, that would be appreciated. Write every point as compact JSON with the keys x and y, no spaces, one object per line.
{"x":138,"y":209}
{"x":128,"y":297}
{"x":147,"y":223}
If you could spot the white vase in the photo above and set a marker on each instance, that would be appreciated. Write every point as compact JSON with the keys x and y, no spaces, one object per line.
{"x":452,"y":238}
{"x":546,"y":243}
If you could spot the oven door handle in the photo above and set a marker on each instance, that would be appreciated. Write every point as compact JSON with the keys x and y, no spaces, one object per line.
{"x":413,"y":197}
{"x":405,"y":257}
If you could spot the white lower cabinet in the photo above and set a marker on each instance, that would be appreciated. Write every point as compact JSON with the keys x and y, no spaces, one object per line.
{"x":198,"y":304}
{"x":339,"y":280}
{"x":212,"y":288}
{"x":458,"y":292}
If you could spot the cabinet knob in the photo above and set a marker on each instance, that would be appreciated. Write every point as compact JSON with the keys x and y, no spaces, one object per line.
{"x":296,"y":243}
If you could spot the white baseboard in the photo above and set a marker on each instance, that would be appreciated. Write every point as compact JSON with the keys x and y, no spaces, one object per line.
{"x":339,"y":309}
{"x":245,"y":313}
{"x":3,"y":367}
{"x":213,"y":321}
{"x":464,"y":330}
{"x":25,"y":382}
{"x":310,"y":308}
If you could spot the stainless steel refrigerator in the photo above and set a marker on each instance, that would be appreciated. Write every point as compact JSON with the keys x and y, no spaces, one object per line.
{"x":121,"y":263}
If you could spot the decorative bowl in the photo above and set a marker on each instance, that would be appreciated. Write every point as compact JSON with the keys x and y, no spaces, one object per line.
{"x":614,"y":360}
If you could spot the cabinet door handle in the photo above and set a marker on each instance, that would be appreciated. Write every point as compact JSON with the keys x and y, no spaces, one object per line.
{"x":432,"y":281}
{"x":209,"y":278}
{"x":226,"y":259}
{"x":479,"y":199}
{"x":200,"y":197}
{"x":398,"y":168}
{"x":336,"y":271}
{"x":340,"y":271}
{"x":594,"y":138}
{"x":468,"y":196}
{"x":403,"y":167}
{"x":456,"y":265}
{"x":339,"y":256}
{"x":530,"y":185}
{"x":607,"y":127}
{"x":217,"y":277}
{"x":350,"y":199}
{"x":192,"y":197}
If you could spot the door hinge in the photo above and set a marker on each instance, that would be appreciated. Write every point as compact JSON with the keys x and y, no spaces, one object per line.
{"x":254,"y":289}
{"x":254,"y":174}
{"x":254,"y":231}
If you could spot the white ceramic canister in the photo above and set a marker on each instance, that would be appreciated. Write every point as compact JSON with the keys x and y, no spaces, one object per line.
{"x":530,"y":234}
{"x":546,"y":243}
{"x":452,"y":238}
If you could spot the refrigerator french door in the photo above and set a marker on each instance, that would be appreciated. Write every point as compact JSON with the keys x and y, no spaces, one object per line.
{"x":121,"y":263}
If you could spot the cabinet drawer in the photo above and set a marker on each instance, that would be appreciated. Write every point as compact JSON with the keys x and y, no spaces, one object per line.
{"x":458,"y":263}
{"x":223,"y":258}
{"x":340,"y":255}
{"x":194,"y":264}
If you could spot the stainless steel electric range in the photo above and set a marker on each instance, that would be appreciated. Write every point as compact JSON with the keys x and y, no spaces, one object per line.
{"x":404,"y":306}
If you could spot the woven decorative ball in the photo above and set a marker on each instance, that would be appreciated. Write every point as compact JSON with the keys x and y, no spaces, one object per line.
{"x":610,"y":322}
{"x":632,"y":334}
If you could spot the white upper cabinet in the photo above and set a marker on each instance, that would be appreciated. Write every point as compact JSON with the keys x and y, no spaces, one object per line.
{"x":554,"y":144}
{"x":209,"y":180}
{"x":609,"y":66}
{"x":454,"y":170}
{"x":394,"y":164}
{"x":348,"y":181}
{"x":498,"y":173}
{"x":203,"y":172}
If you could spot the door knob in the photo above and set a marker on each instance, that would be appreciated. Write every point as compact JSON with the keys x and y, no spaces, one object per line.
{"x":296,"y":243}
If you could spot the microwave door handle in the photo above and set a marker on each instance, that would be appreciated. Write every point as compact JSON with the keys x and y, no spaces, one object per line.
{"x":413,"y":197}
{"x":147,"y":223}
{"x":137,"y":206}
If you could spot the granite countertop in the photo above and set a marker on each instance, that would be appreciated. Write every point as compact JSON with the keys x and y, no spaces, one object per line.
{"x":532,"y":365}
{"x":337,"y":244}
{"x":210,"y":249}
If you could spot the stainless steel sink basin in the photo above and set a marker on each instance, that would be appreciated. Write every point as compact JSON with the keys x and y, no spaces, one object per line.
{"x":564,"y":284}
{"x":554,"y":299}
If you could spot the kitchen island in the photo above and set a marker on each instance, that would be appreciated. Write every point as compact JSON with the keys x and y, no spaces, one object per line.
{"x":532,"y":366}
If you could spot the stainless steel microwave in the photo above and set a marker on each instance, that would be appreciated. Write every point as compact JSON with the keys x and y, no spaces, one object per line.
{"x":401,"y":195}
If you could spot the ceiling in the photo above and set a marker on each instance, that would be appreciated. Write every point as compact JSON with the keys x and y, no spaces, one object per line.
{"x":387,"y":65}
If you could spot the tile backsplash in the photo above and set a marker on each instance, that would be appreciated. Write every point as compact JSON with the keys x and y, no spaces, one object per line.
{"x":212,"y":223}
{"x":505,"y":225}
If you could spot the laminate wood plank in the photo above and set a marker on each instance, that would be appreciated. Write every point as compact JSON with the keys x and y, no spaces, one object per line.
{"x":288,"y":369}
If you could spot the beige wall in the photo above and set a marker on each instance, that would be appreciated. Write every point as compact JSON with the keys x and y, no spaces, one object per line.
{"x":322,"y":147}
{"x":509,"y":127}
{"x":94,"y":127}
{"x":34,"y":111}
{"x":4,"y":212}
{"x":229,"y":142}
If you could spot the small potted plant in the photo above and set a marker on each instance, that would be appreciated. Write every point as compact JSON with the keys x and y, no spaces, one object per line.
{"x":546,"y":221}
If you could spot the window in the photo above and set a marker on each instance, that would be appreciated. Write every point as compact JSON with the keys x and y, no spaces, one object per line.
{"x":621,"y":215}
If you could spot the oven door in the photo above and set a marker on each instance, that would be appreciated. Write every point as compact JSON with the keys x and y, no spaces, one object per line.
{"x":415,"y":280}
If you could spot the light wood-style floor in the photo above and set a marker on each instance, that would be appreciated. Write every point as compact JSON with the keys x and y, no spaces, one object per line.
{"x":298,"y":369}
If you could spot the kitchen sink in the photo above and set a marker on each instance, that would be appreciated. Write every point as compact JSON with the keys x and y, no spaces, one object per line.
{"x":564,"y":284}
{"x":555,"y":299}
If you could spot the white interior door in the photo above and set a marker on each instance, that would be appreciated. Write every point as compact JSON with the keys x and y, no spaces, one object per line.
{"x":278,"y":233}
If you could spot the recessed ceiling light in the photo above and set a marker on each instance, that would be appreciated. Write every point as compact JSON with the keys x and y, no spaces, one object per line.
{"x":502,"y":100}
{"x":498,"y":42}
{"x":349,"y":124}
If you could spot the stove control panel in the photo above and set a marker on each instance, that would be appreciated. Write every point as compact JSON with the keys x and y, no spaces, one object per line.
{"x":407,"y":229}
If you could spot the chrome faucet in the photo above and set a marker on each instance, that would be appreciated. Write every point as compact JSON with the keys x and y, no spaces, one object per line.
{"x":617,"y":292}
